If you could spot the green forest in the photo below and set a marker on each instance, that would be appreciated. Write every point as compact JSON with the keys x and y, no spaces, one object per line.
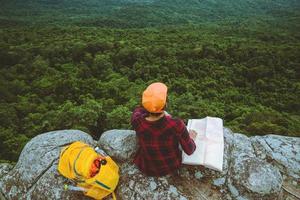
{"x":84,"y":64}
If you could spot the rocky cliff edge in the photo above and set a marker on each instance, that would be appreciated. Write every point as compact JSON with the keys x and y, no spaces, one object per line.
{"x":259,"y":167}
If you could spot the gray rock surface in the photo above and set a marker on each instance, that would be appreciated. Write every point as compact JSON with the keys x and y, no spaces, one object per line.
{"x":252,"y":175}
{"x":233,"y":190}
{"x":253,"y":169}
{"x":136,"y":186}
{"x":35,"y":175}
{"x":198,"y":175}
{"x":5,"y":168}
{"x":283,"y":151}
{"x":119,"y":144}
{"x":219,"y":182}
{"x":246,"y":175}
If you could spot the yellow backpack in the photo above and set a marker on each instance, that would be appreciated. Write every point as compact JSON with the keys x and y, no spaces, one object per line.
{"x":75,"y":163}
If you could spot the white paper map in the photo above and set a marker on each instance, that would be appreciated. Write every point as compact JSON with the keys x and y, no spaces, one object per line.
{"x":209,"y":143}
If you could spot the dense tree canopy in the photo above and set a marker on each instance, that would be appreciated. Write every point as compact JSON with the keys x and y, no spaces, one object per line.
{"x":90,"y":76}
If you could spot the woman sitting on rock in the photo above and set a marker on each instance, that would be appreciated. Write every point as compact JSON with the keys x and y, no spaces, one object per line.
{"x":159,"y":135}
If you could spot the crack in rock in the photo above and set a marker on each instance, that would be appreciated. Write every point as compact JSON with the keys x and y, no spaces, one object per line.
{"x":40,"y":175}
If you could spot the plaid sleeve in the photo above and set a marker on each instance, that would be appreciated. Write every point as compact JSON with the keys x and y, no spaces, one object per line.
{"x":136,"y":115}
{"x":187,"y":144}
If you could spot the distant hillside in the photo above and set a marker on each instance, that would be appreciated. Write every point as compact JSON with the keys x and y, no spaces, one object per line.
{"x":145,"y":13}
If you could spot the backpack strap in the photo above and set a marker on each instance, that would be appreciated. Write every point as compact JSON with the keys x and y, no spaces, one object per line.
{"x":114,"y":196}
{"x":103,"y":185}
{"x":78,"y":176}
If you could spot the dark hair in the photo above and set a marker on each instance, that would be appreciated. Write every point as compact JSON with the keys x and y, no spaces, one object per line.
{"x":158,"y":114}
{"x":155,"y":114}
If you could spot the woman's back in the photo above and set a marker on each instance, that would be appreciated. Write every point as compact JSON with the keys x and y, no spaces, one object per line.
{"x":159,"y":152}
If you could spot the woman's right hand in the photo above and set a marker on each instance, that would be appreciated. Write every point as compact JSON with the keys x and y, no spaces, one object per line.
{"x":192,"y":134}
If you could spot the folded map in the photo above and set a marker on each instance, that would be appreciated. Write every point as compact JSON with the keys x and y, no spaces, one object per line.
{"x":209,"y":143}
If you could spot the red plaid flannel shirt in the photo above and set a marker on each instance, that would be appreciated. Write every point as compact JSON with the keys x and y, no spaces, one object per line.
{"x":158,"y":153}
